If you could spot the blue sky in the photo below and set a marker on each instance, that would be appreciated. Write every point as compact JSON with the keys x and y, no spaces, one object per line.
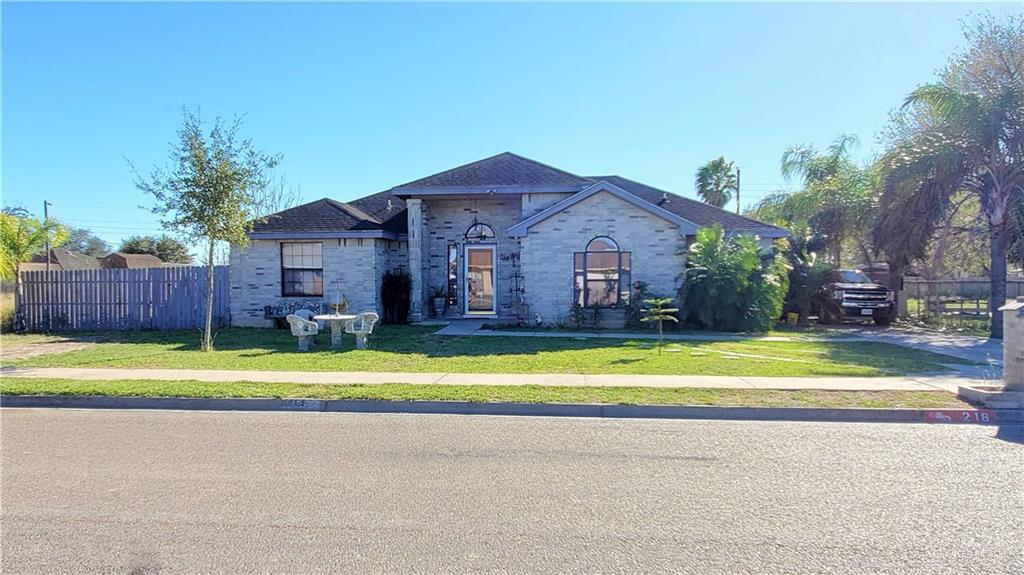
{"x":361,"y":97}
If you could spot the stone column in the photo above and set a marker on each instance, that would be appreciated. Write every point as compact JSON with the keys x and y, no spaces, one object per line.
{"x":1013,"y":345}
{"x":417,"y":241}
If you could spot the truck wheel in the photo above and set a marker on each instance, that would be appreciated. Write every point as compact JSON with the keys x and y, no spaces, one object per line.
{"x":883,"y":320}
{"x":825,"y":317}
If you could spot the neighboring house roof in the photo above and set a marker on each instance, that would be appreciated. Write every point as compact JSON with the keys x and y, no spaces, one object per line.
{"x":67,"y":260}
{"x":121,"y":260}
{"x":63,"y":259}
{"x":327,"y":218}
{"x":384,"y":214}
{"x":686,"y":227}
{"x":505,"y":172}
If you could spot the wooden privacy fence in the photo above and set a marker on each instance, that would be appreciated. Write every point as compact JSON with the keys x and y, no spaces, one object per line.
{"x":960,"y":296}
{"x":121,"y":299}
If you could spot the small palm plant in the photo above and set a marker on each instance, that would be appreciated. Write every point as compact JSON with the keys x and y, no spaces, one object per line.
{"x":655,"y":310}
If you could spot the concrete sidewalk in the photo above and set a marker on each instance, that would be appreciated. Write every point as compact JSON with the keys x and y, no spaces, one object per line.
{"x":921,"y":383}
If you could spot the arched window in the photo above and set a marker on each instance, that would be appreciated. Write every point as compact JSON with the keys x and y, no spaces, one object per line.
{"x":601,"y":274}
{"x":479,"y":233}
{"x":602,"y":244}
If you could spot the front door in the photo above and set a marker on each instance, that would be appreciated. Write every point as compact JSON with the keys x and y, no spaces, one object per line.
{"x":479,"y":280}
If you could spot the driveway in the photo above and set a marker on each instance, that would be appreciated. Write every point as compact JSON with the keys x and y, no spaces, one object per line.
{"x":983,"y":350}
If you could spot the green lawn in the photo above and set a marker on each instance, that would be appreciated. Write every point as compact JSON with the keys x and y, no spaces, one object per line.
{"x":489,"y":393}
{"x":415,"y":349}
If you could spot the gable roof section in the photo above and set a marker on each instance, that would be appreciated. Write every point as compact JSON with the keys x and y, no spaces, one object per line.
{"x":686,"y":227}
{"x":327,"y":218}
{"x":503,"y":173}
{"x":386,"y":207}
{"x":704,"y":215}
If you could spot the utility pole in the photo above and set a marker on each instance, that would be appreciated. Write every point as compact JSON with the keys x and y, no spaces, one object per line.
{"x":46,"y":226}
{"x":737,"y":190}
{"x":46,"y":221}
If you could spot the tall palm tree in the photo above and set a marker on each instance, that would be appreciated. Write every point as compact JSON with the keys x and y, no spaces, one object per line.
{"x":835,"y":200}
{"x":964,"y":133}
{"x":716,"y":182}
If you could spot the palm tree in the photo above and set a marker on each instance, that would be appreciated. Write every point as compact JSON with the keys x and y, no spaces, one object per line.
{"x":22,"y":236}
{"x":964,"y":133}
{"x":835,"y":200}
{"x":716,"y":182}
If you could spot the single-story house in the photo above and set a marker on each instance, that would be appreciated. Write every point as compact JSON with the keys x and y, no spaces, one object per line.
{"x":121,"y":260}
{"x":66,"y":260}
{"x":501,"y":237}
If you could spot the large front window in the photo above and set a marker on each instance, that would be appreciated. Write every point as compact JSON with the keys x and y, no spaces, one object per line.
{"x":302,"y":269}
{"x":601,"y":274}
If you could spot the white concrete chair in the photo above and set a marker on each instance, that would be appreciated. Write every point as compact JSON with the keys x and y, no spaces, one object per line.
{"x":304,"y":314}
{"x":362,"y":326}
{"x":303,"y":329}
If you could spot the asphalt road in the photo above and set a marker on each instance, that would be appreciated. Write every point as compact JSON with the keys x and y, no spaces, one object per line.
{"x":193,"y":492}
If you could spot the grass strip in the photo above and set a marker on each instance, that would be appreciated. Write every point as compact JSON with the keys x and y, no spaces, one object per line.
{"x":488,"y":393}
{"x":416,"y":349}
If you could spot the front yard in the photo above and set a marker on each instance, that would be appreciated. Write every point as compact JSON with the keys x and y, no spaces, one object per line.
{"x":416,"y":349}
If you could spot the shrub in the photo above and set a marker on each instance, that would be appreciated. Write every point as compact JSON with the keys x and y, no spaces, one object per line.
{"x":634,"y":311}
{"x":395,"y":289}
{"x":577,"y":315}
{"x":729,"y":285}
{"x":808,"y":276}
{"x":6,"y":312}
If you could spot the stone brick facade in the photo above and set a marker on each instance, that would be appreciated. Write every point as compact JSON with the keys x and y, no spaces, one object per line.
{"x":1013,"y":345}
{"x":447,"y":222}
{"x":354,"y":265}
{"x":544,"y":256}
{"x":536,"y":203}
{"x":657,"y":251}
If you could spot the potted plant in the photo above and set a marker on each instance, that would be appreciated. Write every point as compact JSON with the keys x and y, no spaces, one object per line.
{"x":437,"y":296}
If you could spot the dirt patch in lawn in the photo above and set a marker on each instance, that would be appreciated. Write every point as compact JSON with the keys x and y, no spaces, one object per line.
{"x":12,"y":348}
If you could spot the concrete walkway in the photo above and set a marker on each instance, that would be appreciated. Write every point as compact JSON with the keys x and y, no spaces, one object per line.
{"x":921,"y":383}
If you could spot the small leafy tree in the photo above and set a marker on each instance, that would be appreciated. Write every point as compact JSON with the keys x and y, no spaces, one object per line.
{"x":655,"y":311}
{"x":83,"y":241}
{"x":164,"y":247}
{"x":210,"y":192}
{"x":730,"y":285}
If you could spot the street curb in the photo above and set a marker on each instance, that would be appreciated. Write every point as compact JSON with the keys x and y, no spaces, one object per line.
{"x":814,"y":414}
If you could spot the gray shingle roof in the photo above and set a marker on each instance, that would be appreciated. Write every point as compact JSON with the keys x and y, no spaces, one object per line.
{"x":385,"y":207}
{"x":320,"y":215}
{"x":68,"y":260}
{"x":373,"y":212}
{"x":385,"y":211}
{"x":505,"y":169}
{"x":704,"y":215}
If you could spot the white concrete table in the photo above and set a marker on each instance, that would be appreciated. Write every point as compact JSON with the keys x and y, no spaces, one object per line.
{"x":337,"y":322}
